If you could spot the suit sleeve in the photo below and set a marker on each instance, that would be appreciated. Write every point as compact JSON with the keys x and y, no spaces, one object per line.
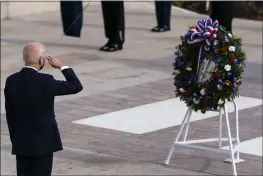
{"x":72,"y":85}
{"x":9,"y":112}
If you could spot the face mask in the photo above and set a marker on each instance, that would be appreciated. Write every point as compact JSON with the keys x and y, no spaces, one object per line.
{"x":41,"y":67}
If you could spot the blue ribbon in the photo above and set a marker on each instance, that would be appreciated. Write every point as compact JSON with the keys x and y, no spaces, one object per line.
{"x":203,"y":31}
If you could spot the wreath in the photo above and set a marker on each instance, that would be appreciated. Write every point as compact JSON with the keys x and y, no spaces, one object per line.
{"x":208,"y":67}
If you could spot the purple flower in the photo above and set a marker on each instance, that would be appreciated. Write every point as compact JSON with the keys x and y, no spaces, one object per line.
{"x":225,"y":39}
{"x":220,"y":81}
{"x":217,"y":60}
{"x":177,"y":53}
{"x":180,"y":64}
{"x":238,"y":48}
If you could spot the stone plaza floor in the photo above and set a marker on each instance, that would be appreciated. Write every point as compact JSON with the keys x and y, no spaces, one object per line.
{"x":122,"y":133}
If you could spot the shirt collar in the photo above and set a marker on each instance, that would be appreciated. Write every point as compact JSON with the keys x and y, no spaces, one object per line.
{"x":31,"y":67}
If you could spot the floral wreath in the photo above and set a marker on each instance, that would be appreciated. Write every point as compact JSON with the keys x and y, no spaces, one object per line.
{"x":204,"y":45}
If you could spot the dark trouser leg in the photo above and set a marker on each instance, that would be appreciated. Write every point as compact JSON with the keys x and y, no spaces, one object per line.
{"x":159,"y":10}
{"x":119,"y":22}
{"x":108,"y":20}
{"x":42,"y":165}
{"x":22,"y":165}
{"x":223,"y":12}
{"x":227,"y":22}
{"x":227,"y":15}
{"x":70,"y":10}
{"x":167,"y":12}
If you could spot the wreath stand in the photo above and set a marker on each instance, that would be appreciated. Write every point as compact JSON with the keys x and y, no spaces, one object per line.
{"x":234,"y":143}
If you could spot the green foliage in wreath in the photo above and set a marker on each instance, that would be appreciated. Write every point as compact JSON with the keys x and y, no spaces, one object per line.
{"x":223,"y":79}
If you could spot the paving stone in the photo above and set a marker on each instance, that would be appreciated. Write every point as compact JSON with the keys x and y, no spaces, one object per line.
{"x":146,"y":169}
{"x":96,"y":110}
{"x":101,"y":161}
{"x":69,"y":169}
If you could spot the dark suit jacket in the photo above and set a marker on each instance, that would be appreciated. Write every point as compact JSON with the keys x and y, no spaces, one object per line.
{"x":29,"y":103}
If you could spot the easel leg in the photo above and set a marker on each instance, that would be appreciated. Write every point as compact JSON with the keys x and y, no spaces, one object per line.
{"x":220,"y":129}
{"x":237,"y":128}
{"x":187,"y":124}
{"x":230,"y":142}
{"x":188,"y":114}
{"x":237,"y":159}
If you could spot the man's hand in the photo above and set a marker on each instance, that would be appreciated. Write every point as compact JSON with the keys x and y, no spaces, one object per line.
{"x":54,"y":62}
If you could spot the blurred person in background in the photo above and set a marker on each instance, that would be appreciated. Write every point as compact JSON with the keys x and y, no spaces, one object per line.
{"x":114,"y":25}
{"x":163,"y":16}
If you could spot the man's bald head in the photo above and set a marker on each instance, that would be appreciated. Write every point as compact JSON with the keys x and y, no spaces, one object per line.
{"x":32,"y":52}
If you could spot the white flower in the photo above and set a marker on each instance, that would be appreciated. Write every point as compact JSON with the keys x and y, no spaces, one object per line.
{"x":219,"y":87}
{"x":215,"y":42}
{"x":232,"y":48}
{"x":182,"y":90}
{"x":177,"y":71}
{"x":229,"y":35}
{"x":220,"y":102}
{"x":202,"y":91}
{"x":227,"y":67}
{"x":196,"y":101}
{"x":189,"y":69}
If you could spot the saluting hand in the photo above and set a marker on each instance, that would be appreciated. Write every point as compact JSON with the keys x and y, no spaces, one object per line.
{"x":54,"y":62}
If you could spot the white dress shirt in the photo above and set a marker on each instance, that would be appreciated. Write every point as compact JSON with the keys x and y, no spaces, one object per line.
{"x":62,"y":68}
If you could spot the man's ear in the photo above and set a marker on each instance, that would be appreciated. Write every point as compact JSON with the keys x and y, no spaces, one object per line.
{"x":41,"y":60}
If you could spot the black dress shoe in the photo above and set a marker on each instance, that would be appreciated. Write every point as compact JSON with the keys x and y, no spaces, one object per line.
{"x":106,"y":46}
{"x":161,"y":29}
{"x":111,"y":47}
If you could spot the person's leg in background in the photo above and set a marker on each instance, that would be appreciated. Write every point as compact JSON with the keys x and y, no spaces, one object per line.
{"x":228,"y":15}
{"x":113,"y":16}
{"x":158,"y":14}
{"x":119,"y":24}
{"x":223,"y":12}
{"x":163,"y":15}
{"x":72,"y":17}
{"x":167,"y":14}
{"x":108,"y":22}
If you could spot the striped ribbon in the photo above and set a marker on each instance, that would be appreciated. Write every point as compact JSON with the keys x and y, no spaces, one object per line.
{"x":205,"y":30}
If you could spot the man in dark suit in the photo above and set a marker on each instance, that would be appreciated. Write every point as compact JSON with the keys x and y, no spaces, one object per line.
{"x":29,"y":104}
{"x":223,"y":12}
{"x":113,"y":17}
{"x":163,"y":16}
